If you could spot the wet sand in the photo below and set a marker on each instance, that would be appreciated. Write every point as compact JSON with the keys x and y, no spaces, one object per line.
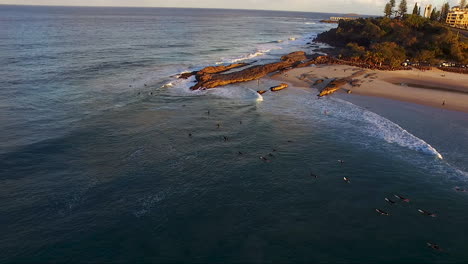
{"x":434,"y":88}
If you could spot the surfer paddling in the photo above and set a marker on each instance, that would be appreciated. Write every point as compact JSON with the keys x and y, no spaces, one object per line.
{"x":427,"y":213}
{"x":381,"y":212}
{"x":402,"y":198}
{"x":347,"y":180}
{"x":390,"y":201}
{"x":264,"y":159}
{"x":434,"y":246}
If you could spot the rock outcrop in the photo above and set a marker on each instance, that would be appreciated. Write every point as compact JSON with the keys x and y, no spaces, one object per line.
{"x":212,"y":77}
{"x":336,"y":84}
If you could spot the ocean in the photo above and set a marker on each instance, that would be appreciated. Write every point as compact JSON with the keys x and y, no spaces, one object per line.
{"x":105,"y":156}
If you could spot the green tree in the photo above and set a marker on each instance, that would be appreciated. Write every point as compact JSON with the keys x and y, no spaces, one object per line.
{"x":388,"y":10}
{"x":392,"y":4}
{"x":444,"y":12}
{"x":389,"y":52}
{"x":433,"y":16}
{"x":415,"y":9}
{"x":402,"y":8}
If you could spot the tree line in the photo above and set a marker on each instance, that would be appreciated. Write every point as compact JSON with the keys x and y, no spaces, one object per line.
{"x":402,"y":10}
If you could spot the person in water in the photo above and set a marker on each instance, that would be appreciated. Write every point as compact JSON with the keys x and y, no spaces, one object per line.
{"x":402,"y":198}
{"x":434,"y":246}
{"x":389,"y":201}
{"x":382,"y":212}
{"x":346,"y":180}
{"x":427,"y":213}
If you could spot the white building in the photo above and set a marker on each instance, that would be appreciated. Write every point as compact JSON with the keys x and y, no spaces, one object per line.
{"x":427,"y":11}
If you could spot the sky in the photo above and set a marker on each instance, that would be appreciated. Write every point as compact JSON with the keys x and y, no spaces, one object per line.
{"x":371,"y":7}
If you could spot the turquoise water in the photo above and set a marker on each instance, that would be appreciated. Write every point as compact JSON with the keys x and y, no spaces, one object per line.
{"x":97,"y":164}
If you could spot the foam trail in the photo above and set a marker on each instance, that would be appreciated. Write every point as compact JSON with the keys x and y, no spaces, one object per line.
{"x":258,"y":53}
{"x":381,"y":127}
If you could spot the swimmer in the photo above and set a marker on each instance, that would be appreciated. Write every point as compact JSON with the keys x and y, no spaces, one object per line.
{"x":290,"y":141}
{"x":427,"y":213}
{"x":313,"y":175}
{"x":271,"y":155}
{"x":346,"y":180}
{"x":225,"y":138}
{"x":402,"y":198}
{"x":190,"y":134}
{"x":434,"y":246}
{"x":218,"y":125}
{"x":240,"y":153}
{"x":382,"y":212}
{"x":389,"y":201}
{"x":208,"y":112}
{"x":240,"y":122}
{"x":274,"y":150}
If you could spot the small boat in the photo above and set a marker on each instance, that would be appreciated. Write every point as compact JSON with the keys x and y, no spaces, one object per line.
{"x":279,"y":87}
{"x":261,"y":91}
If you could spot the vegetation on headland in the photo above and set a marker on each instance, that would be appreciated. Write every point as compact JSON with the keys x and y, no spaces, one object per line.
{"x":391,"y":41}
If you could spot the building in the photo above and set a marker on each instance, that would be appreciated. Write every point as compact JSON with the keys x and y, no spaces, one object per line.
{"x":458,"y":18}
{"x":427,"y":11}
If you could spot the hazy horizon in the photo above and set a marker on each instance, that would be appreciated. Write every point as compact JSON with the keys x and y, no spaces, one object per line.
{"x":369,"y":7}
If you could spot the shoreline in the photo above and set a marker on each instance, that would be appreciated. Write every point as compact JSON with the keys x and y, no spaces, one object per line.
{"x":435,"y":88}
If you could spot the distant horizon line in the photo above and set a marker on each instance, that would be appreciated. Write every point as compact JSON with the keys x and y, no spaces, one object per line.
{"x":247,"y":9}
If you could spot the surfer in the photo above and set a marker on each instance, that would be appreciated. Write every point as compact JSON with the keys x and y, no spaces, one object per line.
{"x":434,"y":246}
{"x":225,"y":138}
{"x":240,"y":153}
{"x":240,"y":122}
{"x":313,"y":175}
{"x":346,"y":180}
{"x":190,"y":134}
{"x":218,"y":125}
{"x":274,"y":150}
{"x":271,"y":155}
{"x":427,"y":213}
{"x":208,"y":112}
{"x":458,"y":189}
{"x":389,"y":201}
{"x":402,"y":198}
{"x":264,"y":159}
{"x":382,"y":212}
{"x":341,"y":162}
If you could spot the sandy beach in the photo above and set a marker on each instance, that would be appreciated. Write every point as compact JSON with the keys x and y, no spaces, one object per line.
{"x":432,"y":88}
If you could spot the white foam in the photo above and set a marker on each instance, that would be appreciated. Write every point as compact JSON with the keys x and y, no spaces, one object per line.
{"x":255,"y":54}
{"x":380,"y":127}
{"x":236,"y":92}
